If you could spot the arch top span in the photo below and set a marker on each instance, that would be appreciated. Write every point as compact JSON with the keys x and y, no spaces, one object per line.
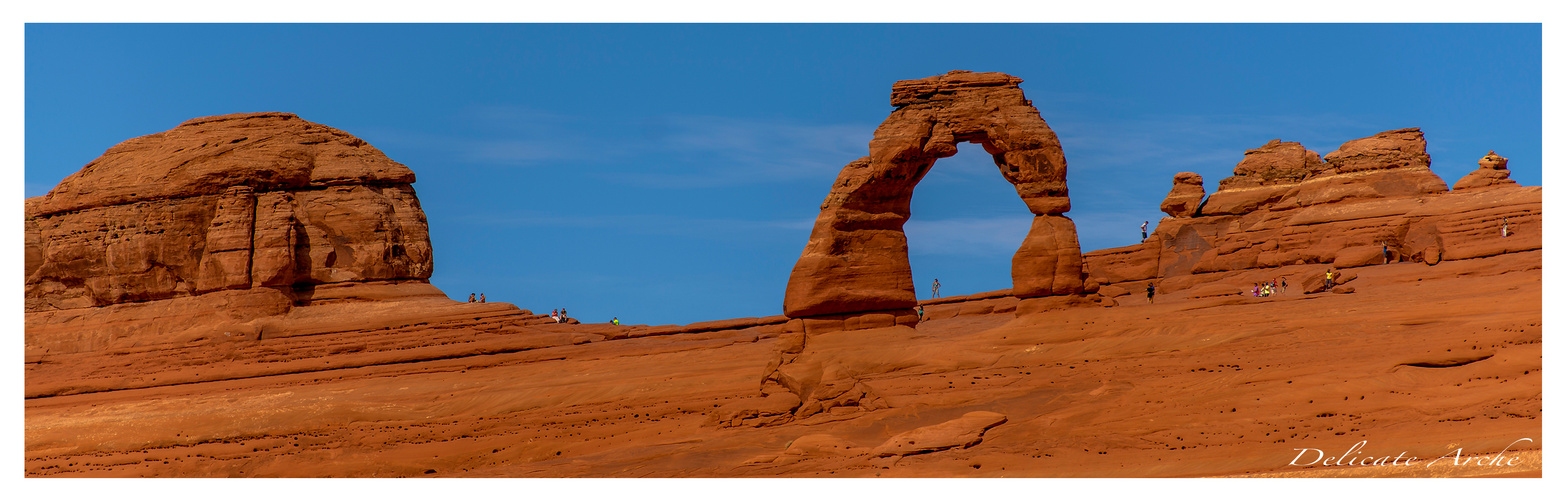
{"x":857,"y":257}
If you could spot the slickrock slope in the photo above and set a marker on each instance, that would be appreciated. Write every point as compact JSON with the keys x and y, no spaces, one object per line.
{"x":1422,"y":360}
{"x":1436,"y":355}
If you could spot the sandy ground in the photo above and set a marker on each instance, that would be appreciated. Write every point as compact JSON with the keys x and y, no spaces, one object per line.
{"x":1439,"y":365}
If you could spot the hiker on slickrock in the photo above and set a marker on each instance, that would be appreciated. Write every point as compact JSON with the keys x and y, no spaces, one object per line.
{"x":1150,"y":292}
{"x":1145,"y":230}
{"x":935,"y":288}
{"x":470,"y":298}
{"x":481,"y":298}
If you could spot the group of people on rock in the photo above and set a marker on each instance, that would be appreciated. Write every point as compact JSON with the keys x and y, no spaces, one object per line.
{"x":1270,"y":287}
{"x":559,"y":315}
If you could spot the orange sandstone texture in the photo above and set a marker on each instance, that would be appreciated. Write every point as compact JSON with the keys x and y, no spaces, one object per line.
{"x":1221,"y":385}
{"x":176,"y":214}
{"x":1373,"y":200}
{"x":1264,"y":177}
{"x":857,"y":257}
{"x":1492,"y":172}
{"x":261,"y":209}
{"x":1185,"y":196}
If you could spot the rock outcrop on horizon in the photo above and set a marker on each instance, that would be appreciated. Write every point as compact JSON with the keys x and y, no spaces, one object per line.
{"x":1390,"y":164}
{"x":856,"y":261}
{"x":246,"y":214}
{"x":1263,"y":177}
{"x":1372,"y":201}
{"x":1283,"y":175}
{"x":1492,"y":172}
{"x":1185,"y":196}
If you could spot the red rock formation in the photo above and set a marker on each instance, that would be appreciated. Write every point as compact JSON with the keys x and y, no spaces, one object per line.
{"x":856,"y":260}
{"x":1263,"y":177}
{"x":1281,"y":209}
{"x":226,"y":202}
{"x":1284,"y":175}
{"x":1492,"y":172}
{"x":1185,"y":195}
{"x":1389,"y":164}
{"x":963,"y":432}
{"x":256,"y":208}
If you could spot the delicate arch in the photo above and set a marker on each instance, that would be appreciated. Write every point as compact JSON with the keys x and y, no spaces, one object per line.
{"x":857,"y":259}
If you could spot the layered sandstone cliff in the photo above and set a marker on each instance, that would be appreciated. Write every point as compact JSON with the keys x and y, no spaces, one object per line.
{"x":1372,"y":201}
{"x":225,"y":217}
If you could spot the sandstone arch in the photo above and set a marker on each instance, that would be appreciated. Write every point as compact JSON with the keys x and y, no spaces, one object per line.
{"x":856,"y":260}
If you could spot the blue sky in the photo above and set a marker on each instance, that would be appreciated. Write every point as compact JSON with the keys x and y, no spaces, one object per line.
{"x":669,"y":173}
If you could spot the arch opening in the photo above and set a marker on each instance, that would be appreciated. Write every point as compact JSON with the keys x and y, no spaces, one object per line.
{"x":965,"y":224}
{"x":857,"y":258}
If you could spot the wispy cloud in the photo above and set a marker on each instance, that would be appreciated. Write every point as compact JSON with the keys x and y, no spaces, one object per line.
{"x":705,"y":151}
{"x":500,"y":136}
{"x":668,"y":151}
{"x":1193,"y":142}
{"x":707,"y":228}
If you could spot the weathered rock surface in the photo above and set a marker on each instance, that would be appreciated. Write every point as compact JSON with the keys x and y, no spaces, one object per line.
{"x":1389,"y":164}
{"x":1263,"y":177}
{"x":223,"y":203}
{"x":961,"y":432}
{"x":263,"y":202}
{"x":857,"y":257}
{"x":1185,"y":195}
{"x":1492,"y":172}
{"x":1282,"y":208}
{"x":1214,"y":290}
{"x":1282,"y":175}
{"x":1089,"y":392}
{"x":1048,"y":262}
